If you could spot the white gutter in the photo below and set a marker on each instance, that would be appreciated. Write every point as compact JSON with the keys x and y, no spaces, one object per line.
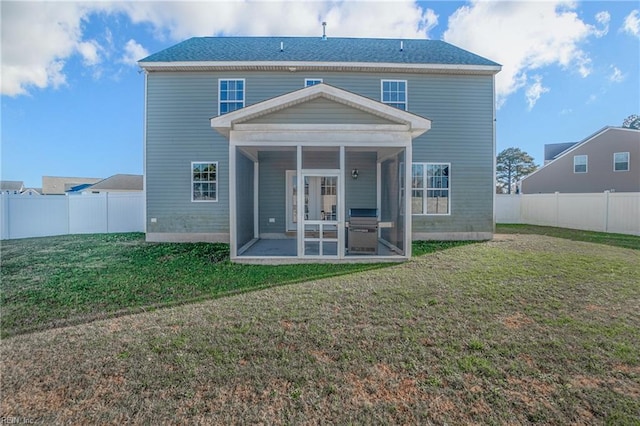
{"x":293,"y":66}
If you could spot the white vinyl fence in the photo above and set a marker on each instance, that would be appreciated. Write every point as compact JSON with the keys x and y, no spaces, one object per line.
{"x":615,"y":212}
{"x":26,"y":216}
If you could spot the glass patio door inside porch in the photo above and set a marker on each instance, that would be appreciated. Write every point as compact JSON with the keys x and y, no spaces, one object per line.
{"x":320,"y":218}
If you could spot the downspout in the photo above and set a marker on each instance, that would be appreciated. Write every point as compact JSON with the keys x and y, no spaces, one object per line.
{"x":144,"y":154}
{"x":493,"y":183}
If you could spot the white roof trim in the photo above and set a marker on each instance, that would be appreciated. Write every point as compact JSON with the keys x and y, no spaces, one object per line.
{"x":293,"y":66}
{"x":578,"y":145}
{"x":412,"y":123}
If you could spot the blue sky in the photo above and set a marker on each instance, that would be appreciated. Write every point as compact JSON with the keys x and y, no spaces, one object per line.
{"x":72,"y":95}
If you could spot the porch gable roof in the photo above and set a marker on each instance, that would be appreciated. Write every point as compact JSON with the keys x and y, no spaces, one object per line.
{"x":404,"y":121}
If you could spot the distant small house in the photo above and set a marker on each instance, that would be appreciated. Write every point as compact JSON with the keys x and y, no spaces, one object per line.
{"x":11,"y":186}
{"x":61,"y":185}
{"x":115,"y":183}
{"x":608,"y":160}
{"x":32,"y":191}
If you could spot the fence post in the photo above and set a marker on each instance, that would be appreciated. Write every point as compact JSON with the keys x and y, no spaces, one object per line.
{"x":606,"y":211}
{"x":106,"y":202}
{"x":68,"y":213}
{"x":557,"y":209}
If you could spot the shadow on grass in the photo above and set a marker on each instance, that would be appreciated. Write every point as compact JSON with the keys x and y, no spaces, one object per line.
{"x":615,"y":240}
{"x":420,"y":248}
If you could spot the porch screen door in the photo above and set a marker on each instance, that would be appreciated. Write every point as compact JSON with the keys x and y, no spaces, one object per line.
{"x":320,"y":236}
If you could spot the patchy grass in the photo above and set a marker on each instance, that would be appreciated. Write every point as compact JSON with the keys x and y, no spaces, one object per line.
{"x":617,"y":240}
{"x":519,"y":330}
{"x":49,"y":282}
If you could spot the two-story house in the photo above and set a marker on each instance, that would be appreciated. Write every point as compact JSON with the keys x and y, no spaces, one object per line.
{"x":314,"y":149}
{"x":608,"y":160}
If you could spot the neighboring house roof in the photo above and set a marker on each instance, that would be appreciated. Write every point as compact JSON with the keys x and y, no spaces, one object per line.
{"x":119,"y":182}
{"x":553,"y":150}
{"x":79,"y":188}
{"x":32,"y":191}
{"x":11,"y":185}
{"x":62,"y":184}
{"x":577,"y":145}
{"x":315,"y":50}
{"x":408,"y":121}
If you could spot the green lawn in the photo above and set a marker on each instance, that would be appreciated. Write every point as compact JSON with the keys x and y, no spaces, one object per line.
{"x":524,"y":329}
{"x":617,"y":240}
{"x":48,"y":282}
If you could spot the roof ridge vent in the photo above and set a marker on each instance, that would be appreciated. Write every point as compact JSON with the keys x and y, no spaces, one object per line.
{"x":324,"y":31}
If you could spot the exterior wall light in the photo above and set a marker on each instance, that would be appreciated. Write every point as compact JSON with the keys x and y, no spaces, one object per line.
{"x":354,"y":173}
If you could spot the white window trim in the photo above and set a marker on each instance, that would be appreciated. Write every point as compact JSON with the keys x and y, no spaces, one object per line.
{"x":586,"y":163}
{"x":306,"y":80}
{"x":406,"y":92}
{"x":426,"y":188}
{"x":628,"y":161}
{"x":217,"y":179}
{"x":244,"y":91}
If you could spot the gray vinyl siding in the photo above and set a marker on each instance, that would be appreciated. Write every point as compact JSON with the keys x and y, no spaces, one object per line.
{"x":321,"y":111}
{"x":461,"y":110}
{"x":320,"y":159}
{"x":361,"y":192}
{"x":180,"y":105}
{"x":244,"y":198}
{"x":273,"y":167}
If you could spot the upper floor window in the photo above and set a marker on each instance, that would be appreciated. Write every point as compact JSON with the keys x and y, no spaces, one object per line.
{"x":621,"y":162}
{"x":230,"y":95}
{"x":312,"y":81}
{"x":430,"y":188}
{"x":580,"y":163}
{"x":394,"y":93}
{"x":204,"y":181}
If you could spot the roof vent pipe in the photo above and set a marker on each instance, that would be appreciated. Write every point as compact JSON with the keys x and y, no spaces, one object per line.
{"x":324,"y":31}
{"x":282,"y":46}
{"x":401,"y":45}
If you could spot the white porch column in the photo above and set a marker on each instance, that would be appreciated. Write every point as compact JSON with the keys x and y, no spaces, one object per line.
{"x":300,"y":197}
{"x":408,"y":217}
{"x":342,"y":203}
{"x":233,"y":238}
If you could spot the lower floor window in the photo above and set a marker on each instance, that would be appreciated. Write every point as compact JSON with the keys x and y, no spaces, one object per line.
{"x":430,"y":188}
{"x":204,"y":181}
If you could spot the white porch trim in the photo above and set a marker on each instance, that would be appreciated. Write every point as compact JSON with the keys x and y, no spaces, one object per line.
{"x":246,"y":138}
{"x":417,"y":125}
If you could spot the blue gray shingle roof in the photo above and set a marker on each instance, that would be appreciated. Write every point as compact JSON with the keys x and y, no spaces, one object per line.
{"x":314,"y":49}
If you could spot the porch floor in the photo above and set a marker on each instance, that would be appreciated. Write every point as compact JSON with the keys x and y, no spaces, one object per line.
{"x":288,"y":247}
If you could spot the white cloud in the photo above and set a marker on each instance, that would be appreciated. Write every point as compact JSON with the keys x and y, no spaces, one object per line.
{"x":179,"y":20}
{"x":38,"y":38}
{"x":632,"y":23}
{"x":133,"y":52}
{"x":534,"y":91}
{"x":616,"y":75}
{"x":603,"y":19}
{"x":524,"y":36}
{"x":89,"y":51}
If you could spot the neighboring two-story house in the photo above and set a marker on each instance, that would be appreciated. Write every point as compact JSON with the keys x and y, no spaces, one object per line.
{"x":313,"y":149}
{"x":608,"y":160}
